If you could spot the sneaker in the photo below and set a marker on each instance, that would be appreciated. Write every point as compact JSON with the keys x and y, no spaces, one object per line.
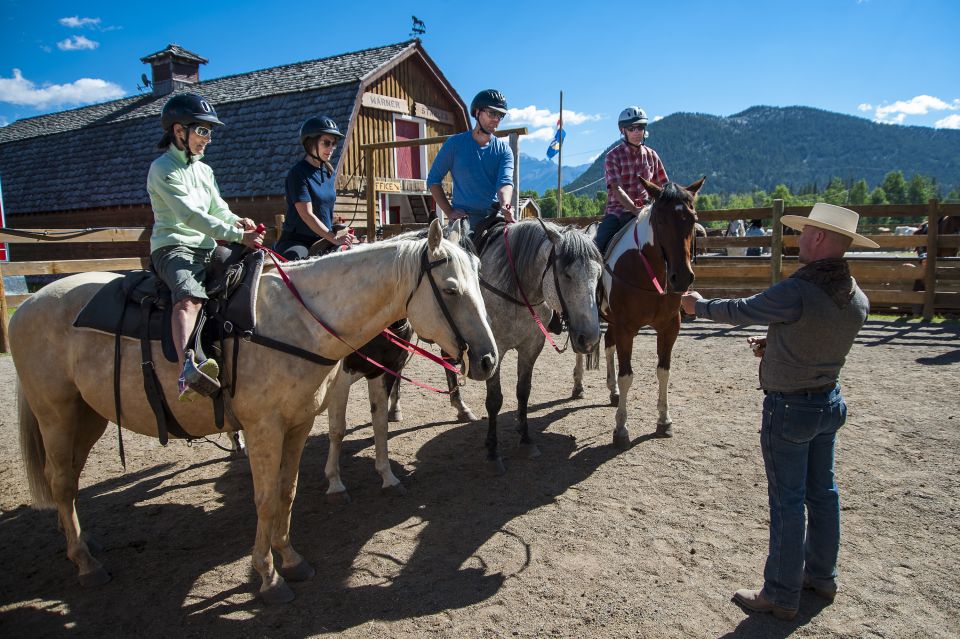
{"x":201,"y":377}
{"x":187,"y":394}
{"x":756,"y":601}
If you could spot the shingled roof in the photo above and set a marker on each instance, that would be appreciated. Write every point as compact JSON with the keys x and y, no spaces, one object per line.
{"x":99,"y":155}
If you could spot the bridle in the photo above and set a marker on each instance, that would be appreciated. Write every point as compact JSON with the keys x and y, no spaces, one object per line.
{"x":426,"y":268}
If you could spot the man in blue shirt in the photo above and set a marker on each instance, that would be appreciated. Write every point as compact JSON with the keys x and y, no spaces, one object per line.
{"x":480,"y":163}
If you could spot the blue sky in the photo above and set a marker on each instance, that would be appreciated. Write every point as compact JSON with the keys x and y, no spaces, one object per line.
{"x":894,"y":61}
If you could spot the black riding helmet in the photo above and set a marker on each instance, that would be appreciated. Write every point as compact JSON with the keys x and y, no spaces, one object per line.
{"x":488,"y":99}
{"x":316,"y":126}
{"x":186,"y":109}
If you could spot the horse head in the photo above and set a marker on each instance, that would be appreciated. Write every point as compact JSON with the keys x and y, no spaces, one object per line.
{"x":672,"y":218}
{"x":448,"y":308}
{"x":576,"y":265}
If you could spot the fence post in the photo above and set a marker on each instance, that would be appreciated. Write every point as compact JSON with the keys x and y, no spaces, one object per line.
{"x":930,"y":277}
{"x":371,"y":196}
{"x":776,"y":242}
{"x":4,"y":340}
{"x":515,"y":147}
{"x":278,"y":221}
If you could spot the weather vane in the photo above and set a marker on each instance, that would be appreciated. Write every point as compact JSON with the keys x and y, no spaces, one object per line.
{"x":419,"y":28}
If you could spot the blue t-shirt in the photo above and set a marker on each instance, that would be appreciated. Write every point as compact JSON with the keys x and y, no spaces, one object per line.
{"x":307,"y":183}
{"x":478,"y":171}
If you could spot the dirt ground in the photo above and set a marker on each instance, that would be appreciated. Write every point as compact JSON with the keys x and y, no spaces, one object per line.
{"x":585,"y":541}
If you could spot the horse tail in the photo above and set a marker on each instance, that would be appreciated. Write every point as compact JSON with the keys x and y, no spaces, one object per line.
{"x":33,"y":453}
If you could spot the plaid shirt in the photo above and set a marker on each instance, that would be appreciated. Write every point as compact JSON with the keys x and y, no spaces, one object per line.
{"x":622,"y":167}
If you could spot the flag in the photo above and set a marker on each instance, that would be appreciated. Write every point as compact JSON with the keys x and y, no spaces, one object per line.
{"x":554,"y":147}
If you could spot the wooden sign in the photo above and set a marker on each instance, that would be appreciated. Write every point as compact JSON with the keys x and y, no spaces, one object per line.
{"x":384,"y":103}
{"x":386,"y":184}
{"x":432,"y":113}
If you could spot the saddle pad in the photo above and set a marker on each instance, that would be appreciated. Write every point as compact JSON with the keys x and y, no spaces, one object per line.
{"x":102,"y":312}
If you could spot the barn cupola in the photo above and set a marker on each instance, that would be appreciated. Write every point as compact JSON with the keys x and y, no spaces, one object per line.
{"x":173,"y":68}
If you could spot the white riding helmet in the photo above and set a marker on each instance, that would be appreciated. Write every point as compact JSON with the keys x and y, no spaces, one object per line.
{"x":630,"y":116}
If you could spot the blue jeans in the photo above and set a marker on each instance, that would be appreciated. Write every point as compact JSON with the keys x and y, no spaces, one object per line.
{"x":797,"y":438}
{"x":608,"y":227}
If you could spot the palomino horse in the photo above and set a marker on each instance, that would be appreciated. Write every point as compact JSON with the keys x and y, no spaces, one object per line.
{"x":736,"y":228}
{"x":66,"y":395}
{"x":646,"y":271}
{"x":556,"y":271}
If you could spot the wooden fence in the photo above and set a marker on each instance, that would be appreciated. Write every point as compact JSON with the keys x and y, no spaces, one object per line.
{"x":890,"y":281}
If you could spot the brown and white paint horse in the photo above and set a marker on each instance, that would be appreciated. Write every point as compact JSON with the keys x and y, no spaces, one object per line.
{"x":646,"y":271}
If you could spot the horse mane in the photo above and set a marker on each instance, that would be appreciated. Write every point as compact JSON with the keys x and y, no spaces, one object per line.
{"x":526,"y":239}
{"x":673,"y":192}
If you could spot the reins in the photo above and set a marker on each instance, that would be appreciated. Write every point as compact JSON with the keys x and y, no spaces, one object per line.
{"x":387,"y":333}
{"x":533,"y":313}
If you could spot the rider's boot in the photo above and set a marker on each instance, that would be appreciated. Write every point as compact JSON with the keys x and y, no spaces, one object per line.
{"x":198,"y":378}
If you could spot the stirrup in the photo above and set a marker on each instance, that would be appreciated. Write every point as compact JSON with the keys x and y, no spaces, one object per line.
{"x":201,"y":378}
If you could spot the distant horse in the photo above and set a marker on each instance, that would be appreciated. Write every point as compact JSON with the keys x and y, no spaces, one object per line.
{"x":647,"y":269}
{"x":699,"y":231}
{"x":948,"y":225}
{"x":66,"y":391}
{"x":736,"y":228}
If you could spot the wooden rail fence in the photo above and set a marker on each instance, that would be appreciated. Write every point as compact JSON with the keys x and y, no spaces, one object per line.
{"x":898,"y":281}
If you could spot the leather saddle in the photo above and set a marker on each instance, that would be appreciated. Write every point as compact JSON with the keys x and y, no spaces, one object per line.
{"x":139,"y":305}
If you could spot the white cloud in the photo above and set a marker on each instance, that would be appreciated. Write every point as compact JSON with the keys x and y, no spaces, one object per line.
{"x":864,"y":107}
{"x":657,"y":118}
{"x":77,"y":43}
{"x":534,"y":117}
{"x":76,"y":22}
{"x":3,"y":121}
{"x":19,"y":90}
{"x":897,"y":112}
{"x":949,"y":122}
{"x":544,"y":133}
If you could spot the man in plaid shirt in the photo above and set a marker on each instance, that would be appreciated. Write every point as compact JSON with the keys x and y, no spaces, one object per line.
{"x":623,"y":167}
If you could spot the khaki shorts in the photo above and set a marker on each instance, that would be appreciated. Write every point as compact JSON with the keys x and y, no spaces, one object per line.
{"x":183,"y":270}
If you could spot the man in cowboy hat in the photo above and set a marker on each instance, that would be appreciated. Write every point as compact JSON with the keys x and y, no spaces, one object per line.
{"x":812,"y":318}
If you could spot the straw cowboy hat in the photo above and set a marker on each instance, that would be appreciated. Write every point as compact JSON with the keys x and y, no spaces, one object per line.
{"x":831,"y":218}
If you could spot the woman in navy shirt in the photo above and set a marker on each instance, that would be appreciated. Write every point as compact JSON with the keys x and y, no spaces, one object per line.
{"x":311,"y":192}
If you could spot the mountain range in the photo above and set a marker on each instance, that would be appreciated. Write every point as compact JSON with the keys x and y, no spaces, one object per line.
{"x":798,"y":146}
{"x":540,"y":175}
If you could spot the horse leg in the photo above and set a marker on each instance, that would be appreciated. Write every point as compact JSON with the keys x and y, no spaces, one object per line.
{"x":394,"y":413}
{"x":578,"y":379}
{"x":525,"y":364}
{"x":265,"y":445}
{"x":379,"y":397}
{"x":338,"y":394}
{"x":293,"y":566}
{"x":464,"y":412}
{"x":624,"y":348}
{"x":237,"y":448}
{"x":66,"y":453}
{"x":609,"y":351}
{"x":666,"y":338}
{"x":494,"y":403}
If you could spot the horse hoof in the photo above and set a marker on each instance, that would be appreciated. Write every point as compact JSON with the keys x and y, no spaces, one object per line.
{"x":397,"y":490}
{"x":664,"y":430}
{"x":94,"y":578}
{"x":621,"y":440}
{"x":577,"y":393}
{"x":343,"y":497}
{"x":298,"y":572}
{"x":614,"y":399}
{"x":395,"y":416}
{"x":530,"y":451}
{"x":466,"y":415}
{"x":279,"y":594}
{"x":497,"y":467}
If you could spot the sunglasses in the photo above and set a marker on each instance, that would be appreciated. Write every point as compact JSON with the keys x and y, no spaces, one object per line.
{"x":496,"y":115}
{"x":328,"y":143}
{"x":202,"y":131}
{"x":636,"y":127}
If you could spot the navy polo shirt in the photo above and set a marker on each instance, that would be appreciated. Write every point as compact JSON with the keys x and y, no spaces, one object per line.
{"x":307,"y":183}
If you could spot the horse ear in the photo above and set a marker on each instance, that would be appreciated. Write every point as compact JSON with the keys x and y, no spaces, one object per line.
{"x":695,"y":187}
{"x":453,"y":232}
{"x":552,"y":234}
{"x":651,"y":188}
{"x":434,"y":236}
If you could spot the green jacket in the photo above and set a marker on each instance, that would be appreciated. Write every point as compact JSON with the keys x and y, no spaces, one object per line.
{"x":187,"y":207}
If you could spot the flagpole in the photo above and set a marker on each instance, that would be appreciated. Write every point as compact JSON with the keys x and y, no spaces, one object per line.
{"x":560,"y":163}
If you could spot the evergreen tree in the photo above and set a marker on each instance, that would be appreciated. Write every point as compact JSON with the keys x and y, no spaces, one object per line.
{"x":895,"y":187}
{"x":919,"y":190}
{"x":878,"y":196}
{"x":835,"y":192}
{"x":782,"y":192}
{"x":858,"y":193}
